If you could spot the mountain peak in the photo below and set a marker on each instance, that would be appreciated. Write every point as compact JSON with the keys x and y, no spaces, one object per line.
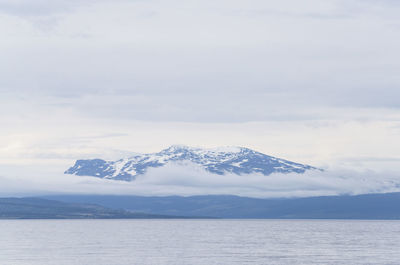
{"x":222,"y":149}
{"x":220,"y":160}
{"x":178,"y":147}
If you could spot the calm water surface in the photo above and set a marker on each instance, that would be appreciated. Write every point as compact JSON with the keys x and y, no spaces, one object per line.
{"x":206,"y":242}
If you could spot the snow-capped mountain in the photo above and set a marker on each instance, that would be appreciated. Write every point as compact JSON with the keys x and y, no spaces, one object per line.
{"x":236,"y":160}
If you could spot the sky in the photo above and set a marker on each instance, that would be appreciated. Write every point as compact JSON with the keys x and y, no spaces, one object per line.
{"x":311,"y":81}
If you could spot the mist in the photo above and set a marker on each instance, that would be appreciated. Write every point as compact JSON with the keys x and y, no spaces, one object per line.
{"x":188,"y":179}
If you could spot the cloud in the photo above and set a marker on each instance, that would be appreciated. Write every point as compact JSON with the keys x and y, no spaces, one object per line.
{"x":203,"y":62}
{"x":309,"y":8}
{"x":314,"y":81}
{"x":188,"y":179}
{"x":38,"y":7}
{"x":28,"y":8}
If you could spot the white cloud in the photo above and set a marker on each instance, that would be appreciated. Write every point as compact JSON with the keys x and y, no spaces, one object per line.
{"x":186,"y":180}
{"x":28,"y":8}
{"x":312,"y":81}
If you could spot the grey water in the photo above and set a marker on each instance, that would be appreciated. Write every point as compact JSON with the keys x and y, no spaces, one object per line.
{"x":205,"y":242}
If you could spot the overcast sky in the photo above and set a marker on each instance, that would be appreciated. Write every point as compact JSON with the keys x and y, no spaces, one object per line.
{"x":312,"y":81}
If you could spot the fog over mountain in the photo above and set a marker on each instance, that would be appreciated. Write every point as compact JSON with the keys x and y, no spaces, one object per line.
{"x":191,"y":179}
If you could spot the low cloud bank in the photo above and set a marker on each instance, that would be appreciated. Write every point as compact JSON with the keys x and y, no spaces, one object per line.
{"x":189,"y":179}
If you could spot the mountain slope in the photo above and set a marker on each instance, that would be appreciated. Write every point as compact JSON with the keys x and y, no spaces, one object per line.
{"x":236,"y":160}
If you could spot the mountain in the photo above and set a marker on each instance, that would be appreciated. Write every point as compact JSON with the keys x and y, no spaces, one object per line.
{"x":38,"y":208}
{"x":367,"y":206}
{"x":236,"y":160}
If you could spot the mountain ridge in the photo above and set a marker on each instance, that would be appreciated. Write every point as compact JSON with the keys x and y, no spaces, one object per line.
{"x":221,"y":160}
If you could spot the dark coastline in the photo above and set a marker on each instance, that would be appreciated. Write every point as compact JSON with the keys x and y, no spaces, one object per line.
{"x":385,"y":206}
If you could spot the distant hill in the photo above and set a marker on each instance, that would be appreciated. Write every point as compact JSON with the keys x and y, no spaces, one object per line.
{"x":236,"y":160}
{"x":369,"y":206}
{"x":37,"y":208}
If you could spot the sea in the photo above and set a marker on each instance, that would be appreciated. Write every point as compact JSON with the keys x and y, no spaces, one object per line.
{"x":200,"y":242}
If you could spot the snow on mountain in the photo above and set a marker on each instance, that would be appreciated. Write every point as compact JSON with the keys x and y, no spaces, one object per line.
{"x":236,"y":160}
